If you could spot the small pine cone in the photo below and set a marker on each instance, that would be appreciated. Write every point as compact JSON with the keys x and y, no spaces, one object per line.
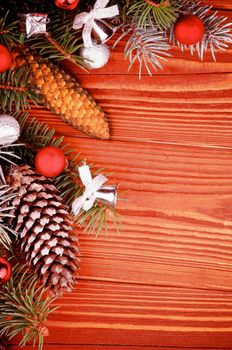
{"x":64,"y":96}
{"x":44,"y":229}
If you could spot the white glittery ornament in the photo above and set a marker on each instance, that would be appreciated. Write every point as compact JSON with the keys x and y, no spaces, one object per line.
{"x":9,"y":129}
{"x":96,"y":56}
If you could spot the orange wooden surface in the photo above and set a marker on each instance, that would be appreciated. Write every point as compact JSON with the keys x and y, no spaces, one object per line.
{"x":166,"y":281}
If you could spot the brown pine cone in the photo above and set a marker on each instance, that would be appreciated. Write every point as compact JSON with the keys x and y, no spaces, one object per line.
{"x":44,"y":227}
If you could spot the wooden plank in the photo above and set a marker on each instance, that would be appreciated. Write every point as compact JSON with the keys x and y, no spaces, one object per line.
{"x":177,"y":217}
{"x":103,"y":347}
{"x":222,"y":4}
{"x":168,"y":108}
{"x":177,"y":223}
{"x":135,"y":316}
{"x":177,"y":232}
{"x":108,"y":347}
{"x":165,"y":282}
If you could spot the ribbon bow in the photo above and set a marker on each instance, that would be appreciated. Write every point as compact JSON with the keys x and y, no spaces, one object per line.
{"x":87,"y":19}
{"x":86,"y":201}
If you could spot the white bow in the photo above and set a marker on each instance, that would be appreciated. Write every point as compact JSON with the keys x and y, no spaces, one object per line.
{"x":87,"y":19}
{"x":86,"y":201}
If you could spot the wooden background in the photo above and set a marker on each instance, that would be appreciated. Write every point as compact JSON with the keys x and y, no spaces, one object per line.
{"x":166,"y":281}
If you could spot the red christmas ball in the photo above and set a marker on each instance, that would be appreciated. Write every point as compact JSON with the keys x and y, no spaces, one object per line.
{"x":5,"y":59}
{"x":5,"y":271}
{"x":189,"y":30}
{"x":67,"y":4}
{"x":50,"y":161}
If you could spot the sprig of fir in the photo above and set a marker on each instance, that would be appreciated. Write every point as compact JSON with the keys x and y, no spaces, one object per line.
{"x":24,"y":307}
{"x":9,"y":33}
{"x":14,"y":90}
{"x":60,"y":43}
{"x":148,"y":13}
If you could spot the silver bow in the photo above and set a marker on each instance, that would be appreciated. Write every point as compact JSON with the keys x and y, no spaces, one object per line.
{"x":87,"y":19}
{"x":86,"y":201}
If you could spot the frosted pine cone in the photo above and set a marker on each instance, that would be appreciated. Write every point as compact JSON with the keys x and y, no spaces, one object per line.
{"x":44,"y":229}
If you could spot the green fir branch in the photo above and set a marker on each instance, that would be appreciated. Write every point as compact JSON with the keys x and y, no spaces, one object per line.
{"x":14,"y":90}
{"x":24,"y":307}
{"x":147,"y":14}
{"x":60,"y":43}
{"x":97,"y":219}
{"x":9,"y":32}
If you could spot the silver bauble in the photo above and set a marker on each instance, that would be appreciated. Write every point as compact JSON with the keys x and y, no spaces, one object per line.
{"x":9,"y":129}
{"x":96,"y":56}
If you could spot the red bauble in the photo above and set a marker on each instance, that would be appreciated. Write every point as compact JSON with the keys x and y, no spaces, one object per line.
{"x":67,"y":4}
{"x":50,"y":161}
{"x":5,"y":270}
{"x":189,"y":30}
{"x":5,"y":59}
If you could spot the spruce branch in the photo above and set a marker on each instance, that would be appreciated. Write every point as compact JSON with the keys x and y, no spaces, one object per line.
{"x":24,"y":307}
{"x":60,"y":43}
{"x":147,"y":13}
{"x":96,"y":219}
{"x":148,"y":47}
{"x":15,"y":92}
{"x":9,"y":33}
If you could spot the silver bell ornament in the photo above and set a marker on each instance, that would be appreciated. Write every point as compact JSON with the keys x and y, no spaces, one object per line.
{"x":94,"y":190}
{"x":9,"y":129}
{"x":107,"y":195}
{"x":95,"y":56}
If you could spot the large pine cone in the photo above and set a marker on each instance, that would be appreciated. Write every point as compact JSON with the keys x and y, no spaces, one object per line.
{"x":44,"y":229}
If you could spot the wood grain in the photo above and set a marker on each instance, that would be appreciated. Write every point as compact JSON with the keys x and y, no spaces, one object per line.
{"x":166,"y":281}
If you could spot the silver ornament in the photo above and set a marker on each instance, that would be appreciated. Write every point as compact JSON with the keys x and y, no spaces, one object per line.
{"x":9,"y":129}
{"x":96,"y":56}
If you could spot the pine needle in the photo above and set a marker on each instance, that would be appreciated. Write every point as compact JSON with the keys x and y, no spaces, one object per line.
{"x":14,"y":90}
{"x":161,"y":14}
{"x":60,"y":43}
{"x":148,"y":47}
{"x":9,"y":33}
